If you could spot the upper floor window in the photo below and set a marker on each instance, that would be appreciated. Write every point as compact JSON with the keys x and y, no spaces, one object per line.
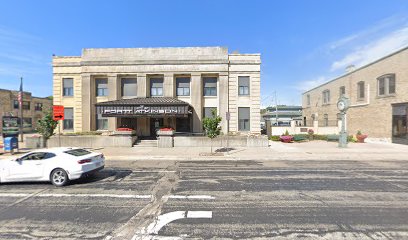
{"x":326,"y":96}
{"x":342,"y":90}
{"x":16,"y":104}
{"x":243,"y":85}
{"x":38,"y":106}
{"x":68,"y":87}
{"x":360,"y":90}
{"x":26,"y":105}
{"x":129,"y":87}
{"x":386,"y":85}
{"x":156,"y":87}
{"x":210,"y":86}
{"x":308,"y":99}
{"x":183,"y":86}
{"x":101,"y":87}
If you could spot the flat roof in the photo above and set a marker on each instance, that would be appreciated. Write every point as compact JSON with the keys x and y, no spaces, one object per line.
{"x":358,"y":69}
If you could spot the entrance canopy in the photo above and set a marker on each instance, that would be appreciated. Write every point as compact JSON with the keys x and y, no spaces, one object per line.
{"x":144,"y":107}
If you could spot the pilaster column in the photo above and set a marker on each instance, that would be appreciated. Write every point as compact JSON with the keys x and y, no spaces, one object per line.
{"x":168,"y":85}
{"x":87,"y":103}
{"x":197,"y":101}
{"x":223,"y":101}
{"x":114,"y":88}
{"x":142,"y":86}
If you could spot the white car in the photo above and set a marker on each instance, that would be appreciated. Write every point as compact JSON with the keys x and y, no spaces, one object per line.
{"x":58,"y":165}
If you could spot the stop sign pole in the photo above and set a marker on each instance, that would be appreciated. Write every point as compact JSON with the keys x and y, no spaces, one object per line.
{"x":58,"y":115}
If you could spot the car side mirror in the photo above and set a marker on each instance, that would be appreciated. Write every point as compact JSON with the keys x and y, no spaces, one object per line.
{"x":18,"y":160}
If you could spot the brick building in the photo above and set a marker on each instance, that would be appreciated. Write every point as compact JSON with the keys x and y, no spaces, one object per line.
{"x":378,"y":94}
{"x":33,"y":107}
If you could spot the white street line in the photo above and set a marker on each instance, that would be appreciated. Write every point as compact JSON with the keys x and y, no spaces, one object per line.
{"x":191,"y":197}
{"x":167,"y":218}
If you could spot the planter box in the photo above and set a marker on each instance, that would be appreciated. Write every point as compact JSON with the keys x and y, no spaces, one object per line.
{"x":360,"y":138}
{"x":165,"y":133}
{"x":286,"y":139}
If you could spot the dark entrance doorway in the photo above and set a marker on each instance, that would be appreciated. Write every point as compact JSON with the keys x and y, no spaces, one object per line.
{"x":155,"y":124}
{"x":399,"y":123}
{"x":128,"y":123}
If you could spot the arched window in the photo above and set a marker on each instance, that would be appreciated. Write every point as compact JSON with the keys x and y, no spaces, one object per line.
{"x":386,"y":85}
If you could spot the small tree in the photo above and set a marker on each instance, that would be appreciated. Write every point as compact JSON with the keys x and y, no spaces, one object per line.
{"x":46,"y":127}
{"x":211,"y":126}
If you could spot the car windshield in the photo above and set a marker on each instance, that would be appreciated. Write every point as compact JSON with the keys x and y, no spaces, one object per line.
{"x":78,"y":152}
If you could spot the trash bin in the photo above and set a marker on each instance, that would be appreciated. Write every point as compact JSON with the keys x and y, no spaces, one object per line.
{"x":10,"y":143}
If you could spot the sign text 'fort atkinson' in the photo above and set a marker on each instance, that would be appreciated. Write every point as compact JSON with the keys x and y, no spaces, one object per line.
{"x":129,"y":111}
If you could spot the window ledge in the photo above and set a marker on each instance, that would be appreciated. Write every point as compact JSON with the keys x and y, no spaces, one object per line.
{"x":386,"y":96}
{"x":210,"y":96}
{"x":326,"y":104}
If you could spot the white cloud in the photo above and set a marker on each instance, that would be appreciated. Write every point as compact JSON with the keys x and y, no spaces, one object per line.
{"x":309,"y":84}
{"x":374,"y":50}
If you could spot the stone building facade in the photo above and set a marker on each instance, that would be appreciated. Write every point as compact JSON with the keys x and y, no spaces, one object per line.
{"x":149,"y":88}
{"x":33,"y":107}
{"x":378,"y":94}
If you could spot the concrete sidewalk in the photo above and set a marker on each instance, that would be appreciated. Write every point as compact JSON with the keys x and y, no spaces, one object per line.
{"x":314,"y":150}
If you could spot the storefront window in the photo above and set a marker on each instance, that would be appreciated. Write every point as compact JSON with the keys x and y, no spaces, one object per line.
{"x":399,"y":123}
{"x":208,"y":111}
{"x":101,"y":122}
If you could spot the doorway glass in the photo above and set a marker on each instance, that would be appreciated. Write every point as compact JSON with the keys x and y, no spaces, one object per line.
{"x":399,"y":124}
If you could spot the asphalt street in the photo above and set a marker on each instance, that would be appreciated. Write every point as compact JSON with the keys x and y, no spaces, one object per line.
{"x":215,"y":200}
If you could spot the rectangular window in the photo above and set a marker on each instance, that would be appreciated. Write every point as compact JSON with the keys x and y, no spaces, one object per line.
{"x":326,"y":97}
{"x":156,"y":87}
{"x":16,"y":104}
{"x":360,"y":90}
{"x":308,"y":99}
{"x":326,"y":120}
{"x":210,"y":86}
{"x":342,"y":90}
{"x":243,"y":119}
{"x":183,"y":86}
{"x":68,"y":123}
{"x":101,"y":87}
{"x":243,"y":85}
{"x":386,"y":84}
{"x":38,"y":106}
{"x":68,"y":87}
{"x":26,"y":105}
{"x":101,"y":122}
{"x":207,"y":113}
{"x":129,"y":87}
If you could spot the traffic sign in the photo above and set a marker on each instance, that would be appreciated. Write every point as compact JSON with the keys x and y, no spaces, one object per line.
{"x":58,"y":112}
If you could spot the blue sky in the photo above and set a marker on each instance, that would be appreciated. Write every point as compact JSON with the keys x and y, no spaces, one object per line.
{"x":303,"y":43}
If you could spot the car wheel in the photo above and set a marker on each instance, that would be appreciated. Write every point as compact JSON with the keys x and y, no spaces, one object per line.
{"x":59,"y":177}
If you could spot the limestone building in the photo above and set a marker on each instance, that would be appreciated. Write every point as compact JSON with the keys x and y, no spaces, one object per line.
{"x":149,"y":88}
{"x":378,"y":94}
{"x":33,"y":108}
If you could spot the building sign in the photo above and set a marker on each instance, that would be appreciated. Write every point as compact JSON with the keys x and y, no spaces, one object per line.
{"x":10,"y":126}
{"x":141,"y":110}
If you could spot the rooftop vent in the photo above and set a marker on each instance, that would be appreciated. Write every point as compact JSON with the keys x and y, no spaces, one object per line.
{"x":350,"y":68}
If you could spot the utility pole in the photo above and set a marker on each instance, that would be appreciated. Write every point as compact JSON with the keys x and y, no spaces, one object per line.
{"x":276,"y":110}
{"x":20,"y":99}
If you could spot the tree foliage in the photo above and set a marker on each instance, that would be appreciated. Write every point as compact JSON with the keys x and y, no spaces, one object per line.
{"x":212,"y":125}
{"x":46,"y":126}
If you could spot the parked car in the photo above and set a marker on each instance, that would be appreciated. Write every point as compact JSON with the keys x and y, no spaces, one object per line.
{"x":57,"y":165}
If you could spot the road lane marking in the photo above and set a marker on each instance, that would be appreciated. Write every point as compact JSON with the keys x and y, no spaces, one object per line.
{"x":193,"y":197}
{"x":167,"y":218}
{"x":207,"y":197}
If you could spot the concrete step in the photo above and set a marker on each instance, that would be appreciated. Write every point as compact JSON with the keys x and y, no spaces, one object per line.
{"x":146,"y":143}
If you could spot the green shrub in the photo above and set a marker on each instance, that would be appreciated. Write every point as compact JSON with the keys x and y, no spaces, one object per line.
{"x":300,"y":137}
{"x":274,"y":138}
{"x":319,"y":137}
{"x":351,"y":138}
{"x":83,"y":133}
{"x":286,"y":133}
